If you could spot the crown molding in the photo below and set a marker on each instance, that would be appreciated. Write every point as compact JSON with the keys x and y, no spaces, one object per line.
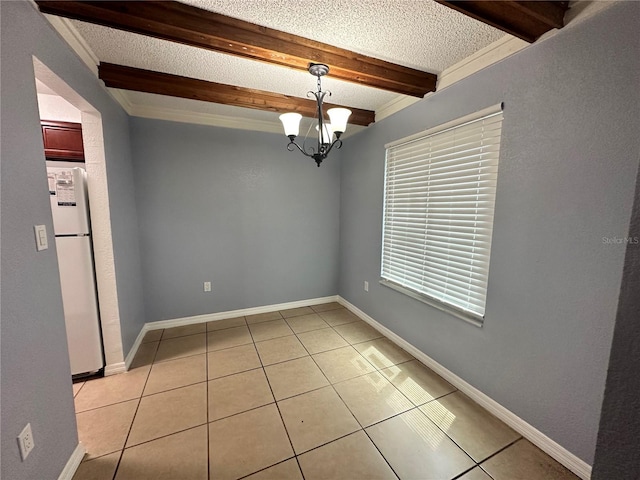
{"x":395,"y":105}
{"x":496,"y":51}
{"x":493,"y":53}
{"x":78,"y":44}
{"x":122,"y":98}
{"x":185,"y":116}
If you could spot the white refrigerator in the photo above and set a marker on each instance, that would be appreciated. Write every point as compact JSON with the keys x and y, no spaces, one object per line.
{"x":70,"y":209}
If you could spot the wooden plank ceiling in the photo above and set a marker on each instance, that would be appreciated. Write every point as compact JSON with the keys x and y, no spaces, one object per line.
{"x":523,"y":19}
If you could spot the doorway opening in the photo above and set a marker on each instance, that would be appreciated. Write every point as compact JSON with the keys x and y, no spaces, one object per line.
{"x":68,"y":105}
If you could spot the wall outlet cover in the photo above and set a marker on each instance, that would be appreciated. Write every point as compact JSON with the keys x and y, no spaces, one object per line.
{"x":25,"y":441}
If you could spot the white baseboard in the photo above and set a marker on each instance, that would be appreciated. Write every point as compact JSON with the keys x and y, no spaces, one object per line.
{"x":134,"y":348}
{"x":546,"y":444}
{"x":73,"y":463}
{"x":114,"y":369}
{"x":212,"y":317}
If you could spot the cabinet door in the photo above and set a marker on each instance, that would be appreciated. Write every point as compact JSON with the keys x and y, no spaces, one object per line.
{"x":62,"y":140}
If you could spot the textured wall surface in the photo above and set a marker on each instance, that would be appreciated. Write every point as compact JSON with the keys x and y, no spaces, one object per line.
{"x":618,"y":449}
{"x":35,"y":375}
{"x":234,"y":208}
{"x":54,"y":107}
{"x":568,"y":164}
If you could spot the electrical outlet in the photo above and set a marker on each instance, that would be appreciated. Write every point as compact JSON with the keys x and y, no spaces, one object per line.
{"x":207,"y":286}
{"x":366,"y":286}
{"x":25,"y":441}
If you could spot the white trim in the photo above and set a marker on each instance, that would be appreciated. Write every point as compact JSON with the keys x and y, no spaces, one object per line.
{"x":492,"y":53}
{"x":473,"y":320}
{"x":546,"y":444}
{"x":398,"y":103}
{"x":212,"y":317}
{"x":115,"y":368}
{"x":73,"y":463}
{"x":121,"y":97}
{"x":77,"y":43}
{"x":453,"y":123}
{"x":102,"y":239}
{"x":212,"y":119}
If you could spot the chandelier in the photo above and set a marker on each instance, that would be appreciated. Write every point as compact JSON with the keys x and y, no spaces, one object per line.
{"x":326,"y":131}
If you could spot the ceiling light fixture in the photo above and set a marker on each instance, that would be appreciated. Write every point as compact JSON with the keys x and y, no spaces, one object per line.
{"x":338,"y":118}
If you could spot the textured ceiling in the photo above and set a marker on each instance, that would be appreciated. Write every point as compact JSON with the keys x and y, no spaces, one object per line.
{"x":420,"y":34}
{"x":416,"y":33}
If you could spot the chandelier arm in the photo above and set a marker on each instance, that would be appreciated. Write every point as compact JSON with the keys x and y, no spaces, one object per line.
{"x":337,"y":143}
{"x":294,"y":144}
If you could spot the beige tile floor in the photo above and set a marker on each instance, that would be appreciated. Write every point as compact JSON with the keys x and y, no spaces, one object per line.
{"x":307,"y":393}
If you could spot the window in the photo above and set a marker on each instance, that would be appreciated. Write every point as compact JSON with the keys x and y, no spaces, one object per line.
{"x":440,"y":188}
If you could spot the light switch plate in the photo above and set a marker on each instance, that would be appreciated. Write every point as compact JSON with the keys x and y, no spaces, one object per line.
{"x":41,"y":237}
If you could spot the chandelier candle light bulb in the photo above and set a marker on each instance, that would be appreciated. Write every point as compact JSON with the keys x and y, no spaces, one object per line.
{"x":326,"y":131}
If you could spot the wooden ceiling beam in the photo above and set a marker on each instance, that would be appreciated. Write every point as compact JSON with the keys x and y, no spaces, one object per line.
{"x":196,"y":27}
{"x":527,"y":20}
{"x":129,"y":78}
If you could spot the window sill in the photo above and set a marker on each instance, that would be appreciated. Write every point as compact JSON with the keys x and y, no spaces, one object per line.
{"x":467,"y":317}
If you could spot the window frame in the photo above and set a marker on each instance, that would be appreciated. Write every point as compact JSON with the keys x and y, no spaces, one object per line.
{"x":456,"y":310}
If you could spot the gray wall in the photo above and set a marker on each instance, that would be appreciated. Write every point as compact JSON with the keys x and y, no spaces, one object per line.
{"x":567,"y":173}
{"x":235,"y":208}
{"x":618,"y":448}
{"x":35,"y":372}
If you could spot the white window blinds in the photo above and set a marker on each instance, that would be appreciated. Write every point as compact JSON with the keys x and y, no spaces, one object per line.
{"x":440,"y":189}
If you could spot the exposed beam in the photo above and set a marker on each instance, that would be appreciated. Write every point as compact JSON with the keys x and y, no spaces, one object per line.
{"x":525,"y":20}
{"x":196,"y":27}
{"x":129,"y":78}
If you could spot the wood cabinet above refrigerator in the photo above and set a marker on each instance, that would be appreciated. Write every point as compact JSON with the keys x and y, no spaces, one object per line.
{"x":62,"y":140}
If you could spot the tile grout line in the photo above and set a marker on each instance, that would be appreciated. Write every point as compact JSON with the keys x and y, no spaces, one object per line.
{"x":109,"y":404}
{"x":166,"y":435}
{"x":350,"y":411}
{"x":284,"y":425}
{"x":267,"y":468}
{"x":477,"y":464}
{"x":462,"y":474}
{"x":341,"y":399}
{"x":380,"y":452}
{"x":206,"y":376}
{"x":498,"y":452}
{"x":133,"y":419}
{"x":140,"y":400}
{"x":79,"y":390}
{"x":317,"y":366}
